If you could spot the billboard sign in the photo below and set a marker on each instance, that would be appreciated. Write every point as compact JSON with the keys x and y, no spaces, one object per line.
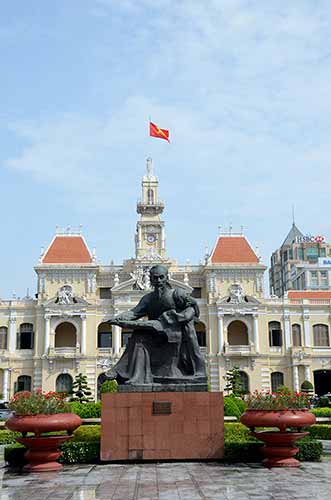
{"x":324,"y":261}
{"x":309,"y":238}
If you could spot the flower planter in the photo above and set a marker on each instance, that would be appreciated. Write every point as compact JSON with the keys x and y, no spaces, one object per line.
{"x":279,"y":448}
{"x":43,"y":451}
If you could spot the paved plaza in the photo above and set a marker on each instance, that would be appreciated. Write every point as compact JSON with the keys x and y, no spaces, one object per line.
{"x":170,"y":481}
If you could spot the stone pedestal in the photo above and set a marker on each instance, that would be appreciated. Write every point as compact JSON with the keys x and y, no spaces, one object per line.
{"x":162,"y":426}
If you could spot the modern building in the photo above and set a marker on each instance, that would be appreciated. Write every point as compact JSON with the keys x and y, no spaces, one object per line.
{"x":47,"y":340}
{"x":303,"y":262}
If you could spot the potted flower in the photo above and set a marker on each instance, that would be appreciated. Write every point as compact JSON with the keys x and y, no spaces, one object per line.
{"x":286,"y":410}
{"x":40,"y":412}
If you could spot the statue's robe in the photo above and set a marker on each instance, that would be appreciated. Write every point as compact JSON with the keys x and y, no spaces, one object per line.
{"x":168,"y":353}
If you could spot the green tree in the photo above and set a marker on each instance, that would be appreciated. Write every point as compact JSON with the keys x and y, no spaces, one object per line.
{"x":233,"y":382}
{"x":80,"y":390}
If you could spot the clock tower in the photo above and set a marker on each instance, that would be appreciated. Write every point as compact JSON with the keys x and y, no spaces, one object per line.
{"x":150,"y":235}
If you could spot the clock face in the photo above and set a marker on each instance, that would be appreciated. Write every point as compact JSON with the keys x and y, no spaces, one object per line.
{"x":151,"y":238}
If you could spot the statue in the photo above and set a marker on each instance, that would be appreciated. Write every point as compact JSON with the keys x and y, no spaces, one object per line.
{"x":163,"y":349}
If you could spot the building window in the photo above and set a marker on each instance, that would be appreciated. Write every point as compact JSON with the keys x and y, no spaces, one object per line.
{"x":150,"y":196}
{"x":323,"y":252}
{"x":324,"y":279}
{"x":64,"y":383}
{"x":301,"y":254}
{"x":104,"y":336}
{"x":313,"y":279}
{"x":275,"y":334}
{"x":105,"y":293}
{"x":25,"y":336}
{"x":201,"y":334}
{"x":23,"y":383}
{"x":296,"y":335}
{"x":244,"y":381}
{"x":321,"y":335}
{"x":126,"y":334}
{"x":3,"y":337}
{"x":277,"y":379}
{"x":196,"y":293}
{"x":312,"y":254}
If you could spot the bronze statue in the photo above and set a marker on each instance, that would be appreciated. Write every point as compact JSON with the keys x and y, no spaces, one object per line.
{"x":164,"y":348}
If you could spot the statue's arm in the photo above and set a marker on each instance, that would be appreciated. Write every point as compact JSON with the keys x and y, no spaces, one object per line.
{"x":139,"y":311}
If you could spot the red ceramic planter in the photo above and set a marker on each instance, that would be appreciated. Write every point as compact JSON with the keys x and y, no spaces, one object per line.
{"x":43,"y":451}
{"x":279,"y":448}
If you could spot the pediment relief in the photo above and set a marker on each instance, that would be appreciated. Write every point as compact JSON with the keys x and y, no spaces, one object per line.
{"x":66,"y":298}
{"x":237,"y":297}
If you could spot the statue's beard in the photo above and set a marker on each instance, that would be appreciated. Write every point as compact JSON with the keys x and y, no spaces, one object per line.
{"x":159,"y":291}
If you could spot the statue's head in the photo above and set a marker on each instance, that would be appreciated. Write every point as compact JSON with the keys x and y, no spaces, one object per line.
{"x":158,"y":276}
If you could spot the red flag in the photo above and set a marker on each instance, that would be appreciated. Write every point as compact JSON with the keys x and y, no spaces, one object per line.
{"x":155,"y":131}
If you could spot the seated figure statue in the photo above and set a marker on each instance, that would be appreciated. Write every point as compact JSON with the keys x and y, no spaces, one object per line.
{"x":164,"y":348}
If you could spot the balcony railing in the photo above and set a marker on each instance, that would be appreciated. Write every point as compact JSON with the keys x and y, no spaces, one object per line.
{"x":241,"y":350}
{"x":65,"y":352}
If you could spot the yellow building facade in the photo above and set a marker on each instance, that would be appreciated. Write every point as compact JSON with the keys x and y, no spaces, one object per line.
{"x":46,"y":341}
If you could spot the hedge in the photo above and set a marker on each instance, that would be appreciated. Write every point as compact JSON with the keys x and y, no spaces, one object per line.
{"x":8,"y":437}
{"x":320,"y":431}
{"x":86,"y":410}
{"x":230,"y":408}
{"x":239,"y":446}
{"x":321,"y":412}
{"x":310,"y":450}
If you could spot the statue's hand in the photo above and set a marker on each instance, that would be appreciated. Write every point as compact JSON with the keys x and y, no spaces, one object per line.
{"x":170,"y":316}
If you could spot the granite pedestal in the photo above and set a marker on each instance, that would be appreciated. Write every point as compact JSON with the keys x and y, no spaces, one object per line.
{"x":162,"y":426}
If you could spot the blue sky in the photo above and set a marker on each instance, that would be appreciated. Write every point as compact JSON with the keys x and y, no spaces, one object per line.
{"x":243,"y":86}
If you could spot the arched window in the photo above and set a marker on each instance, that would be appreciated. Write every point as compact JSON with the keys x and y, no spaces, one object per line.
{"x":23,"y":383}
{"x":64,"y":383}
{"x":126,"y":334}
{"x":296,"y":335}
{"x":25,"y":336}
{"x":150,"y":196}
{"x":65,"y":335}
{"x":237,"y":333}
{"x":321,"y":335}
{"x":201,"y":334}
{"x":277,"y":379}
{"x":244,"y":381}
{"x":3,"y":337}
{"x":101,"y":379}
{"x":275,"y":334}
{"x":104,"y":335}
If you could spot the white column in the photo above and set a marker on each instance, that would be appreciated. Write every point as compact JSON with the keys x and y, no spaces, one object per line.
{"x":12,"y":334}
{"x":83,"y":334}
{"x":220,"y":332}
{"x":287,"y":332}
{"x":5,"y":384}
{"x":296,"y":378}
{"x":307,"y":373}
{"x":306,"y":329}
{"x":139,"y":237}
{"x":256,"y":332}
{"x":116,"y":339}
{"x":162,"y":238}
{"x":47,"y":333}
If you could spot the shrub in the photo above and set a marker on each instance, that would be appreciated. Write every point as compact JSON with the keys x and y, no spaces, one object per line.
{"x":321,"y":412}
{"x":320,"y":431}
{"x":236,"y":431}
{"x":307,"y":386}
{"x":310,"y":450}
{"x":80,"y":452}
{"x":14,"y":455}
{"x":323,"y":402}
{"x":109,"y":386}
{"x":230,"y":407}
{"x":242,"y":450}
{"x":7,"y":437}
{"x":86,"y":410}
{"x":87,"y":433}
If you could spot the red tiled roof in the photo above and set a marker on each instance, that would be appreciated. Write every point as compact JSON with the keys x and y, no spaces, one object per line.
{"x":302,"y":294}
{"x":67,"y":250}
{"x":233,"y":249}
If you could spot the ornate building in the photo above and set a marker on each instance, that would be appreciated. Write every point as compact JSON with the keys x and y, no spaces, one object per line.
{"x":45,"y":342}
